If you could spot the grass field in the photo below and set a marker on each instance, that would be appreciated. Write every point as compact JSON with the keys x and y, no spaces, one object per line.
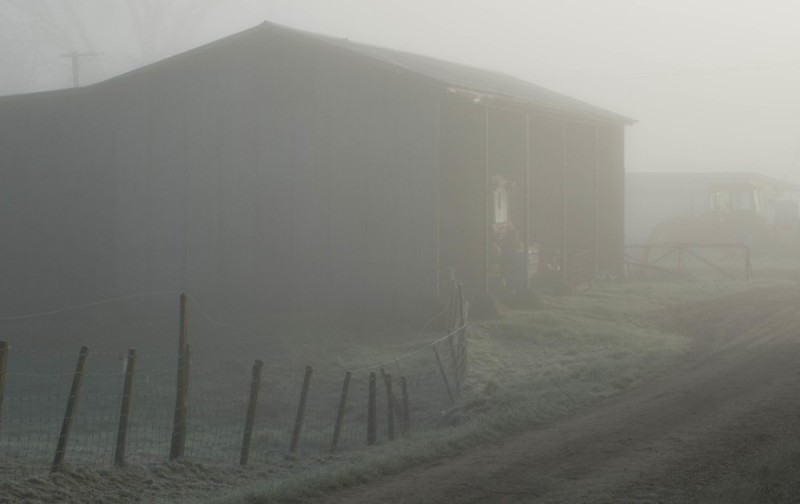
{"x":770,"y":478}
{"x":530,"y":366}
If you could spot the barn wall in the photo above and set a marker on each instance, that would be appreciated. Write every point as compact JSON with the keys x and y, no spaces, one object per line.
{"x":54,"y":211}
{"x":357,"y":191}
{"x":261,"y":173}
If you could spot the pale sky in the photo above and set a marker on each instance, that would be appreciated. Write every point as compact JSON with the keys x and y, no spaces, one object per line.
{"x":715,"y":85}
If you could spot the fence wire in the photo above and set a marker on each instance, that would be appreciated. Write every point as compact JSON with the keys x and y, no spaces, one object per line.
{"x":38,"y":382}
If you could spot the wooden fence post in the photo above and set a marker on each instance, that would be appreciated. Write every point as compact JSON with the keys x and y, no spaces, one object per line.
{"x":457,"y":340}
{"x":460,"y":305}
{"x":372,"y":414}
{"x":4,"y":348}
{"x":444,"y":375}
{"x":337,"y":428}
{"x":452,"y":309}
{"x":462,"y":354}
{"x":69,"y":414}
{"x":406,"y":426}
{"x":451,"y":342}
{"x":463,"y":337}
{"x":250,"y":418}
{"x":389,"y":408}
{"x":301,"y":410}
{"x":179,"y":422}
{"x":390,"y":396}
{"x":125,"y":409}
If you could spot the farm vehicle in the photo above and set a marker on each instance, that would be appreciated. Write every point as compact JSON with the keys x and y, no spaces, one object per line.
{"x":738,"y":211}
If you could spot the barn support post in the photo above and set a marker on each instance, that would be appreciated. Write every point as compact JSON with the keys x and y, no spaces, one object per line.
{"x":596,"y":207}
{"x":563,"y":264}
{"x":125,"y":409}
{"x":527,"y":242}
{"x":72,"y":406}
{"x":438,"y":245}
{"x":250,"y":417}
{"x":487,"y":190}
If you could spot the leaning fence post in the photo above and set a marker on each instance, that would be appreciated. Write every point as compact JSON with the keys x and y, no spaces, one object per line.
{"x":69,"y":414}
{"x":451,"y":343}
{"x":182,"y":388}
{"x":372,"y":414}
{"x":395,"y":406}
{"x":4,"y":347}
{"x":406,"y":426}
{"x":301,"y":410}
{"x":125,"y":409}
{"x":457,"y":340}
{"x":464,"y":349}
{"x":462,"y":353}
{"x":459,"y":320}
{"x":337,"y":428}
{"x":444,"y":375}
{"x":250,"y":418}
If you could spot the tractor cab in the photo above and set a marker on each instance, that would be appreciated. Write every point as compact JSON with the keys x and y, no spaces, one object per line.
{"x":733,"y":198}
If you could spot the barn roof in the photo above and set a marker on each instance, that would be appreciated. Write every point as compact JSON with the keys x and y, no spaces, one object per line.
{"x":460,"y":78}
{"x":469,"y":78}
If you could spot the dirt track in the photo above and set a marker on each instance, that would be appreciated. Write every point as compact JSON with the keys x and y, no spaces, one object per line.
{"x":736,"y":396}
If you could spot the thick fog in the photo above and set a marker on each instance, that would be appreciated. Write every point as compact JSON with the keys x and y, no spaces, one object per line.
{"x":713,"y":83}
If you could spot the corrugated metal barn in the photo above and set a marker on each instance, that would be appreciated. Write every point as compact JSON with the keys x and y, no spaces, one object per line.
{"x":277,"y":169}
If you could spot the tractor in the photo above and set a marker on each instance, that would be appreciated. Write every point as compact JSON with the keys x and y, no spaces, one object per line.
{"x":739,"y":210}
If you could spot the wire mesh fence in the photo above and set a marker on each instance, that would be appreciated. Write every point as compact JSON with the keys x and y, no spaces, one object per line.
{"x":337,"y":409}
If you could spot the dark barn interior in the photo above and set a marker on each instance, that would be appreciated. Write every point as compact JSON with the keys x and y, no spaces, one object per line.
{"x":281,"y":170}
{"x":562,"y":181}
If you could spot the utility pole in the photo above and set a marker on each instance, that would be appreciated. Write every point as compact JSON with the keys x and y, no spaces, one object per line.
{"x":75,"y":56}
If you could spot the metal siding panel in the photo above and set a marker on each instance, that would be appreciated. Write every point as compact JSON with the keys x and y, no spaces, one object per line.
{"x":580,"y":203}
{"x":611,"y":198}
{"x":462,"y":194}
{"x":546,"y":184}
